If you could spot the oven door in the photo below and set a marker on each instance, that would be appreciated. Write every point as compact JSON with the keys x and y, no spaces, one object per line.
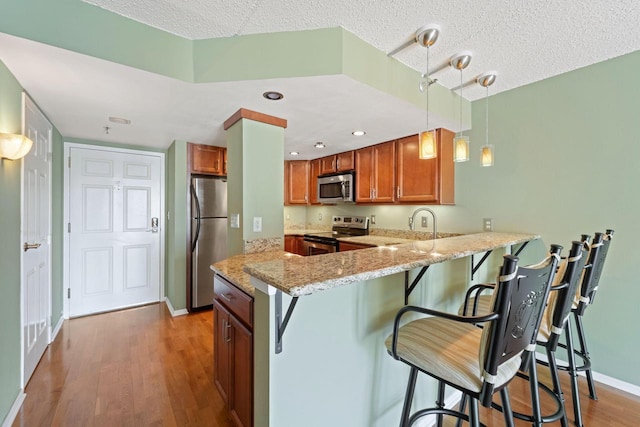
{"x":316,"y":247}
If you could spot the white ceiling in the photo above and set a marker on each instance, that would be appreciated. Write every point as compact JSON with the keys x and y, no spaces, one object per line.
{"x":523,"y":41}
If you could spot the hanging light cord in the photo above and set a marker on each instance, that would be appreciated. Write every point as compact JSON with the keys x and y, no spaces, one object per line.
{"x":486,"y":120}
{"x":427,"y":109}
{"x":460,"y":102}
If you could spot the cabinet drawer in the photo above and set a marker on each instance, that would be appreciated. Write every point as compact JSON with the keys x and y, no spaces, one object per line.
{"x":239,"y":303}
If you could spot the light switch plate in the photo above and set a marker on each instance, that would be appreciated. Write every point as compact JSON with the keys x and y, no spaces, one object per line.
{"x":235,"y":220}
{"x":424,"y":222}
{"x":257,"y":224}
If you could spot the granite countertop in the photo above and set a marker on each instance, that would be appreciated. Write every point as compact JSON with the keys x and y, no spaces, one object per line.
{"x":232,"y":268}
{"x":298,"y":276}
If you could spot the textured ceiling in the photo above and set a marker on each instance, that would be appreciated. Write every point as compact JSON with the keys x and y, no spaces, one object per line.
{"x":523,"y":41}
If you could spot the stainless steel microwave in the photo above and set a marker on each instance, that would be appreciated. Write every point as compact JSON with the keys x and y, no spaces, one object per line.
{"x":338,"y":188}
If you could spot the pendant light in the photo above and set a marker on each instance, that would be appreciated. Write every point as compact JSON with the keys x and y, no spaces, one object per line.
{"x":427,"y":36}
{"x":487,"y":152}
{"x":461,"y":142}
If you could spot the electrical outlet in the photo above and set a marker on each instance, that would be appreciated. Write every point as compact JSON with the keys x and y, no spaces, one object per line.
{"x":257,"y":224}
{"x":373,"y":219}
{"x":235,"y":220}
{"x":319,"y":216}
{"x":487,"y":224}
{"x":424,"y":222}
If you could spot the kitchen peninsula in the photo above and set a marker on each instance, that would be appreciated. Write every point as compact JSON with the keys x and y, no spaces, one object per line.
{"x":333,"y":368}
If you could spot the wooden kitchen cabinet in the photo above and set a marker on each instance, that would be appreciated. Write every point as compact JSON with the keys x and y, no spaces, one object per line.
{"x":344,"y":246}
{"x":296,"y":182}
{"x":233,"y":350}
{"x":375,"y":173}
{"x":207,"y":159}
{"x":294,"y":244}
{"x":337,"y":163}
{"x":425,"y":180}
{"x":314,"y":171}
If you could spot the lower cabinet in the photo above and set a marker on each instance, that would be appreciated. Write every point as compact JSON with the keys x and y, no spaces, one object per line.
{"x":344,"y":246}
{"x":294,"y":244}
{"x":233,"y":350}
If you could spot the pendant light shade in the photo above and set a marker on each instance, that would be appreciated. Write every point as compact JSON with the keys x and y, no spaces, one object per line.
{"x":487,"y":155}
{"x":428,"y":147}
{"x":461,"y":149}
{"x":14,"y":146}
{"x":487,"y":152}
{"x":427,"y":36}
{"x":460,"y":142}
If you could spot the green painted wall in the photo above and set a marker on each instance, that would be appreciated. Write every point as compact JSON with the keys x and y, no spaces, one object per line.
{"x":90,"y":30}
{"x":255,"y":153}
{"x":566,"y":164}
{"x":10,"y":122}
{"x":57,"y":228}
{"x":176,"y":233}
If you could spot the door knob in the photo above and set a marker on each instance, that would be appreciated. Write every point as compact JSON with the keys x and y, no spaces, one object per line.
{"x":28,"y":246}
{"x":154,"y":225}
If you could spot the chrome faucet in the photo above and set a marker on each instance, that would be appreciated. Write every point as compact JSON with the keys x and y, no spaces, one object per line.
{"x":412,"y":220}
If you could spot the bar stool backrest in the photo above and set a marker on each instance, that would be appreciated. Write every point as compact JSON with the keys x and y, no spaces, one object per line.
{"x":519,"y":300}
{"x":562,"y":293}
{"x":593,"y":270}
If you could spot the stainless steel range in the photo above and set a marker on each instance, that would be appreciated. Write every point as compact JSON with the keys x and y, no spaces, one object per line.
{"x":343,"y":226}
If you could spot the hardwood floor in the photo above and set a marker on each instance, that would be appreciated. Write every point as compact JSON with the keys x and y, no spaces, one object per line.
{"x":137,"y":367}
{"x":141,"y":367}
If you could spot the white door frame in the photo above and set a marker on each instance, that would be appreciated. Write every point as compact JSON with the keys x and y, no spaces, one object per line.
{"x":65,"y":217}
{"x":26,"y":99}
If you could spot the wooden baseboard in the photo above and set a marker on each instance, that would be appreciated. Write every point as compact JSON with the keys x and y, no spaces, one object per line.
{"x":173,"y":312}
{"x":15,"y":408}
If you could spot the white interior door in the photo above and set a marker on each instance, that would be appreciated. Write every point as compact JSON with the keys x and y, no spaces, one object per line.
{"x":115,"y":217}
{"x":36,"y":238}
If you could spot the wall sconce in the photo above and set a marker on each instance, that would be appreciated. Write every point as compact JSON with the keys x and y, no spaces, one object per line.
{"x":427,"y":148}
{"x":461,"y":142}
{"x":487,"y":153}
{"x":14,"y":146}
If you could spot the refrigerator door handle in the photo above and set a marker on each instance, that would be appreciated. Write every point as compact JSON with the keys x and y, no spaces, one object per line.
{"x":197,"y":233}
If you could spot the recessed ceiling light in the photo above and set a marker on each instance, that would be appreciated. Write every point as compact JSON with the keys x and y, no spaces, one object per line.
{"x":273,"y":95}
{"x":358,"y":133}
{"x":319,"y":145}
{"x":120,"y":120}
{"x":294,"y":153}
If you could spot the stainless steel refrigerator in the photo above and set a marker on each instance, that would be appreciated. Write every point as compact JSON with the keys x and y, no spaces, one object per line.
{"x":208,"y":235}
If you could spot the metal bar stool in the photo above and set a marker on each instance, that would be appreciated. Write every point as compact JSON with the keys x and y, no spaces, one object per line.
{"x":552,"y":325}
{"x":477,"y":362}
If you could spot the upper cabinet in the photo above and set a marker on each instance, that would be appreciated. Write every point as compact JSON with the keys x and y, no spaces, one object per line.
{"x":208,"y":160}
{"x":337,"y":163}
{"x":375,"y":173}
{"x":425,"y":181}
{"x":314,"y":171}
{"x":296,"y":182}
{"x":387,"y":173}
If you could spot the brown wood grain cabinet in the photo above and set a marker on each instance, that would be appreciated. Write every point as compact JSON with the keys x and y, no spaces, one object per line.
{"x":233,"y":350}
{"x":375,"y":173}
{"x":425,"y":181}
{"x":346,"y":246}
{"x":314,"y":171}
{"x":208,"y":160}
{"x":296,"y":182}
{"x":337,"y":163}
{"x":294,"y":244}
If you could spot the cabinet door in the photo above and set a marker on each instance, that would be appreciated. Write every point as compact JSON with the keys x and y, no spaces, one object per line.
{"x":290,"y":243}
{"x":344,"y":246}
{"x":300,"y":245}
{"x":221,"y":350}
{"x":206,"y":159}
{"x":384,"y":157}
{"x":428,"y":180}
{"x":417,"y":178}
{"x":364,"y":175}
{"x":345,"y":161}
{"x":314,"y":171}
{"x":296,"y":182}
{"x":224,"y":161}
{"x":241,"y":401}
{"x":327,"y":164}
